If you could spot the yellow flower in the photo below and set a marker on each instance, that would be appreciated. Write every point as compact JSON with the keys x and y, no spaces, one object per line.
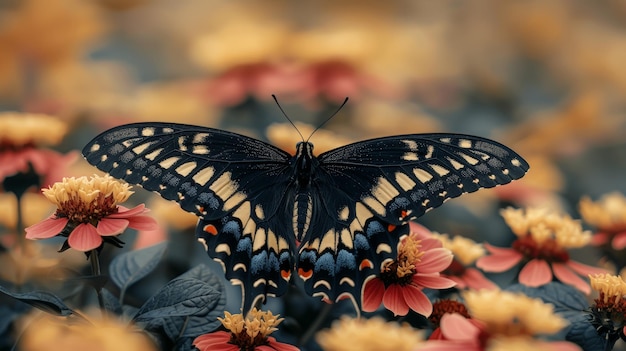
{"x":512,"y":314}
{"x":544,"y":226}
{"x":465,"y":250}
{"x":49,"y":333}
{"x":359,"y":334}
{"x":608,"y":213}
{"x":21,"y":129}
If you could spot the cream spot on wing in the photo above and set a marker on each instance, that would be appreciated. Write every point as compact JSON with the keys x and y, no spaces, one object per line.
{"x":445,"y":140}
{"x":186,"y":168}
{"x":234,"y":200}
{"x":168,"y":162}
{"x":411,"y":144}
{"x":422,"y":175}
{"x":430,"y":151}
{"x":344,"y":213}
{"x":203,"y":176}
{"x":141,"y":148}
{"x":224,"y":186}
{"x":515,"y":162}
{"x":223,"y":248}
{"x":374,"y":205}
{"x":384,"y":191}
{"x":200,"y":138}
{"x":168,"y":130}
{"x":405,"y":182}
{"x":457,"y":165}
{"x":469,"y":159}
{"x":258,"y":210}
{"x":410,"y":156}
{"x":148,"y":131}
{"x":151,"y":156}
{"x":441,"y":171}
{"x":464,"y":143}
{"x":94,"y":147}
{"x":200,"y":150}
{"x":260,"y":238}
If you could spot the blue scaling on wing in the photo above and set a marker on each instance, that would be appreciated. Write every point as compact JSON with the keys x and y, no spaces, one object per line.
{"x":235,"y":184}
{"x":336,"y":219}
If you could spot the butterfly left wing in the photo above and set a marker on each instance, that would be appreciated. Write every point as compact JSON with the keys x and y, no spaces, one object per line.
{"x":237,"y":185}
{"x":378,"y":186}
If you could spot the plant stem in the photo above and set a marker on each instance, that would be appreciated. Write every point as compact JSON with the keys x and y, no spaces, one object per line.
{"x":19,"y":222}
{"x":94,"y":258}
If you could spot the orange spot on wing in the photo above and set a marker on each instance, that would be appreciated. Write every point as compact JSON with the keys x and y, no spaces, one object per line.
{"x":366,"y":264}
{"x":210,"y":228}
{"x":403,"y":214}
{"x":286,"y":274}
{"x":305,"y":274}
{"x":391,"y":227}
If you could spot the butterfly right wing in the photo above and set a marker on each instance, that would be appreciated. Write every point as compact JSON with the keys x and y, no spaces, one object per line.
{"x":238,"y":186}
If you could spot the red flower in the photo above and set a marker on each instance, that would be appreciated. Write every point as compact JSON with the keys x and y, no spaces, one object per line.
{"x":543,"y":238}
{"x":249,"y":333}
{"x":399,"y":285}
{"x":88,"y":208}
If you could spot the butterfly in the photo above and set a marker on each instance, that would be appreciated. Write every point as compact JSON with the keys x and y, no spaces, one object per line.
{"x":333,"y":219}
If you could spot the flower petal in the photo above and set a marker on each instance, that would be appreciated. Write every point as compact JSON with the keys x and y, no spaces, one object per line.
{"x":584,"y":269}
{"x":279,"y":346}
{"x":567,"y":276}
{"x":432,"y":281}
{"x":142,"y":223}
{"x":619,"y":241}
{"x":84,"y":238}
{"x":394,"y":300}
{"x":372,"y":295}
{"x":435,"y":261}
{"x":46,"y":229}
{"x":215,"y":341}
{"x":456,"y":327}
{"x":476,"y":280}
{"x":124,"y":212}
{"x":501,"y":260}
{"x":417,"y":300}
{"x":535,"y":273}
{"x":112,"y":226}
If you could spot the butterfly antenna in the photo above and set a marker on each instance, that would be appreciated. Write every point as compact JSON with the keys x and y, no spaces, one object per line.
{"x":285,"y":114}
{"x":329,"y":118}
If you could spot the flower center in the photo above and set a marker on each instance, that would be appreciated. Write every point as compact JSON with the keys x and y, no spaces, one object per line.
{"x":402,"y":270}
{"x":548,"y":250}
{"x":252,"y":331}
{"x":79,"y":211}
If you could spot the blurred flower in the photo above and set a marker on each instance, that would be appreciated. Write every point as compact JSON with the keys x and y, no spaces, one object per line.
{"x":51,"y":333}
{"x":496,"y":318}
{"x":399,"y":285}
{"x":22,"y":137}
{"x":608,"y":313}
{"x":608,"y":215}
{"x":465,"y":252}
{"x":36,"y":37}
{"x":373,"y":334}
{"x":542,"y":243}
{"x":244,"y":333}
{"x":88,"y":214}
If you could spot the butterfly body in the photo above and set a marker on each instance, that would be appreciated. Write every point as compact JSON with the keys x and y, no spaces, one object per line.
{"x":333,"y":219}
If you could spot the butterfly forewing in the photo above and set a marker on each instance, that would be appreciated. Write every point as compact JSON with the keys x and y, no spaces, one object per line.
{"x":399,"y":178}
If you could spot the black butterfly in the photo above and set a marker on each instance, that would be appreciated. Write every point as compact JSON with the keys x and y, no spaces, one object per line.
{"x":333,"y":218}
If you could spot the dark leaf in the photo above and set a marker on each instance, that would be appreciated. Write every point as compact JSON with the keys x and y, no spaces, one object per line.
{"x":42,"y":300}
{"x":185,"y":307}
{"x":111,"y":303}
{"x":128,"y":268}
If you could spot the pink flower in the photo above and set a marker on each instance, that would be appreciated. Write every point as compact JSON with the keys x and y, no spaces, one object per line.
{"x":244,"y":333}
{"x":608,"y":215}
{"x":543,"y":238}
{"x":400,"y":283}
{"x":88,"y":210}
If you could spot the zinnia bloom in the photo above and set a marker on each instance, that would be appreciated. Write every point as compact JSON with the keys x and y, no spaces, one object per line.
{"x":249,"y":333}
{"x":88,"y":210}
{"x":608,"y":215}
{"x":22,"y":136}
{"x":542,"y":243}
{"x":608,"y":313}
{"x":465,"y":252}
{"x":374,"y":334}
{"x":399,"y":286}
{"x":500,"y":318}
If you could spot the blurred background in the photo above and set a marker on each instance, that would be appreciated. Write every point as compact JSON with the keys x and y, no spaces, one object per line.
{"x":547,"y":78}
